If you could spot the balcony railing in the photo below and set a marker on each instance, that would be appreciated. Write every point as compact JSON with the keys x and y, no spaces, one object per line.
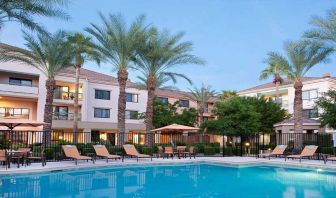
{"x":64,"y":116}
{"x":67,"y":95}
{"x":18,"y":90}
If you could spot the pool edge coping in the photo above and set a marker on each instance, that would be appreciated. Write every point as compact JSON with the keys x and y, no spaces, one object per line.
{"x":151,"y":163}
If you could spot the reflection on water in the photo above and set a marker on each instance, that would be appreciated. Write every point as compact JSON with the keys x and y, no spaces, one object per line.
{"x":166,"y":181}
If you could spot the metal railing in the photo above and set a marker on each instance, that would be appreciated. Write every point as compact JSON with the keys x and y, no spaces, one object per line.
{"x":67,"y":95}
{"x":64,"y":116}
{"x":148,"y":143}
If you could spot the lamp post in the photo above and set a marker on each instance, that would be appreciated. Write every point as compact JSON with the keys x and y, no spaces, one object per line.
{"x":247,"y":145}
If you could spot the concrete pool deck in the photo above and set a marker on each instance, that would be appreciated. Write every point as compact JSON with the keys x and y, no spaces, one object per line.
{"x":229,"y":161}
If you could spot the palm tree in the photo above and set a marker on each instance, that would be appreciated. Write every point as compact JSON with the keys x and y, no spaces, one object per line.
{"x":227,"y":94}
{"x":301,"y":57}
{"x":24,"y":11}
{"x":324,"y":29}
{"x":82,"y":49}
{"x":118,"y":43}
{"x":274,"y":70}
{"x":157,"y":56}
{"x":202,"y":96}
{"x":48,"y":52}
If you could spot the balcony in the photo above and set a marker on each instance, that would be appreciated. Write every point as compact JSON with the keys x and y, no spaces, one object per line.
{"x":13,"y":90}
{"x":66,"y":97}
{"x":64,"y":116}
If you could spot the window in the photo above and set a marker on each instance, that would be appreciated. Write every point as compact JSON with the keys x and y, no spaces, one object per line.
{"x":163,"y":100}
{"x":184,"y":103}
{"x":309,"y":94}
{"x":310,"y":113}
{"x":61,"y":93}
{"x":20,"y":82}
{"x":102,"y":94}
{"x":206,"y":108}
{"x":60,"y":113}
{"x":101,"y":113}
{"x":132,"y":115}
{"x":10,"y":112}
{"x":130,"y":97}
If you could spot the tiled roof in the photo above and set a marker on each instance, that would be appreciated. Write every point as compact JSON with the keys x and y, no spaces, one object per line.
{"x":92,"y":76}
{"x":285,"y":82}
{"x":169,"y":93}
{"x":305,"y":121}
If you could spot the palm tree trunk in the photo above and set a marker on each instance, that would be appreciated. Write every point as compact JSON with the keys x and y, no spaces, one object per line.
{"x":48,"y":109}
{"x":75,"y":118}
{"x":201,"y":116}
{"x":277,"y":83}
{"x":298,"y":128}
{"x":122,"y":80}
{"x":151,"y":84}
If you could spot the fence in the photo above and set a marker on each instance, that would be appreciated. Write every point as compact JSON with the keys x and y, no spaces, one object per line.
{"x":259,"y":143}
{"x":231,"y":145}
{"x":36,"y":141}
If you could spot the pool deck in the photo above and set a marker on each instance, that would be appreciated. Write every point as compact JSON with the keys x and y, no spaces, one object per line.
{"x":229,"y":161}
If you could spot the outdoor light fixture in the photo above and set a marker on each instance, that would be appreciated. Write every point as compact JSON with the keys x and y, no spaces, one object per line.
{"x":247,"y":144}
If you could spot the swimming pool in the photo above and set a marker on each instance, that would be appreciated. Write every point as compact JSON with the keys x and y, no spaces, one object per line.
{"x":187,"y":180}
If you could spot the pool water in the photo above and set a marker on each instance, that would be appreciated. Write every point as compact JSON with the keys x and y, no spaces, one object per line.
{"x":188,"y":180}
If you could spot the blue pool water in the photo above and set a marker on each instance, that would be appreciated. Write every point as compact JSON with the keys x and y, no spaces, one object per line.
{"x":191,"y":180}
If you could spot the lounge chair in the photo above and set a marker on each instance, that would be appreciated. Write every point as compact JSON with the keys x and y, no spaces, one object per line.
{"x":71,"y":152}
{"x":277,"y":151}
{"x":307,"y":152}
{"x":131,"y":151}
{"x":160,"y":152}
{"x":192,"y":152}
{"x":326,"y":158}
{"x":4,"y":157}
{"x":41,"y":157}
{"x":101,"y":151}
{"x":168,"y":151}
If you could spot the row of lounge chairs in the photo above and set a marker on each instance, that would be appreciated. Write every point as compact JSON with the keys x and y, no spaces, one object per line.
{"x":307,"y":152}
{"x":101,"y":151}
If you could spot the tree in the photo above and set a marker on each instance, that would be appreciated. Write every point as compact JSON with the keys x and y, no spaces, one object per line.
{"x":166,"y":114}
{"x":227,"y":94}
{"x":324,"y":29}
{"x":328,"y":104}
{"x":157,"y":56}
{"x":82,"y":50}
{"x":118,"y":45}
{"x":301,"y":57}
{"x":270,"y":113}
{"x":24,"y":11}
{"x":48,"y":52}
{"x":274,"y":70}
{"x":202,"y":96}
{"x":236,"y":117}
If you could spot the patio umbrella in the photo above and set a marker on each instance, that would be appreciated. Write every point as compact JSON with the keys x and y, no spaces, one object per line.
{"x":11,"y":123}
{"x":175,"y":128}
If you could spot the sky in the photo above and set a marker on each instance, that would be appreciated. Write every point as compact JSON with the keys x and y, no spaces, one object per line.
{"x":232,"y":36}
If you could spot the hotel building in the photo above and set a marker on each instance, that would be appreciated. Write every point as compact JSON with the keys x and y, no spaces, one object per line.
{"x":313,"y":87}
{"x":23,"y":94}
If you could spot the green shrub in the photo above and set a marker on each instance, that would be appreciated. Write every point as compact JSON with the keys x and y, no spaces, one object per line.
{"x":147,"y":150}
{"x":209,"y":150}
{"x":327,"y":150}
{"x":5,"y":143}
